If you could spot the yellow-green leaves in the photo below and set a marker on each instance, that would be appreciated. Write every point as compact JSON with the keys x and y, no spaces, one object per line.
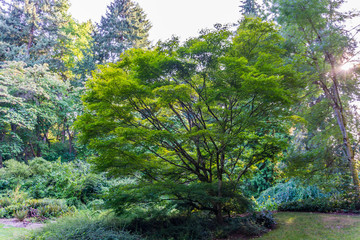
{"x":194,"y":113}
{"x":174,"y":94}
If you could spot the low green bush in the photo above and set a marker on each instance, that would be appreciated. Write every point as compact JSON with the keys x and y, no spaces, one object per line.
{"x":97,"y":204}
{"x":288,"y":192}
{"x":319,"y":205}
{"x":16,"y":169}
{"x":198,"y":226}
{"x":177,"y":227}
{"x":5,"y":201}
{"x":11,"y":210}
{"x":44,"y":179}
{"x":254,"y":224}
{"x":21,"y":214}
{"x":15,"y":205}
{"x":83,"y":226}
{"x":265,"y":218}
{"x":270,"y":204}
{"x":3,"y":213}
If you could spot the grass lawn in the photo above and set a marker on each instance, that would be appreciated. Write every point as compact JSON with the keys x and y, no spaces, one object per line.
{"x":296,"y":225}
{"x":9,"y":233}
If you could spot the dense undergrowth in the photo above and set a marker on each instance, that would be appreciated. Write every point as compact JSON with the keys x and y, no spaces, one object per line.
{"x":72,"y":181}
{"x":83,"y":226}
{"x":89,"y":225}
{"x":42,"y":189}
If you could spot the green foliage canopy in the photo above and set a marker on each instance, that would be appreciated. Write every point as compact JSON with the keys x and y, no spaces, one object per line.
{"x":202,"y":113}
{"x":31,"y":103}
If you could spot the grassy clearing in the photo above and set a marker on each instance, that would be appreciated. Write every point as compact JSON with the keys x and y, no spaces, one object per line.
{"x":8,"y":232}
{"x":297,"y":225}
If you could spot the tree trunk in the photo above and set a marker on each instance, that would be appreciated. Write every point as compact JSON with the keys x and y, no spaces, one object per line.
{"x":1,"y":157}
{"x":335,"y":101}
{"x":38,"y":151}
{"x":70,"y":141}
{"x":26,"y":153}
{"x":349,"y":151}
{"x":219,"y":207}
{"x":219,"y":216}
{"x":32,"y":149}
{"x":336,"y":104}
{"x":31,"y":38}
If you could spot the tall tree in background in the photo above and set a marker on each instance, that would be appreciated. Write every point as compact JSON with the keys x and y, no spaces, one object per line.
{"x":315,"y":29}
{"x":77,"y":45}
{"x":32,"y":100}
{"x":30,"y":31}
{"x":249,"y":7}
{"x":124,"y":26}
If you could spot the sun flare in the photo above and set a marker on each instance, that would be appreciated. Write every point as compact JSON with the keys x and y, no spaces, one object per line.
{"x":347,"y":66}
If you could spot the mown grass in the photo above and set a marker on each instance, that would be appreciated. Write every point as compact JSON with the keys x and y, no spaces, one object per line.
{"x":297,"y":225}
{"x":8,"y":233}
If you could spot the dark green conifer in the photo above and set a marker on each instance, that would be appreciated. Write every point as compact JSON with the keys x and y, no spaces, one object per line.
{"x":124,"y":26}
{"x":31,"y":30}
{"x":249,"y":7}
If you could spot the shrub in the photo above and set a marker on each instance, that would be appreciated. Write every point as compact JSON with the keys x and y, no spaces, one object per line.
{"x":35,"y":203}
{"x":39,"y":166}
{"x":3,"y":213}
{"x":21,"y":214}
{"x":12,"y":209}
{"x":177,"y":227}
{"x":44,"y":179}
{"x":82,"y":227}
{"x":270,"y":204}
{"x":265,"y":218}
{"x":43,"y":208}
{"x":184,"y":197}
{"x":16,"y":169}
{"x":17,"y":195}
{"x":5,"y":201}
{"x":4,"y":183}
{"x":50,"y":211}
{"x":319,"y":205}
{"x":254,"y":224}
{"x":287,"y":192}
{"x":96,"y":204}
{"x":155,"y":225}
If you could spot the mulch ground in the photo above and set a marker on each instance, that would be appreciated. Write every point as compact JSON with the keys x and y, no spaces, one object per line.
{"x":13,"y":222}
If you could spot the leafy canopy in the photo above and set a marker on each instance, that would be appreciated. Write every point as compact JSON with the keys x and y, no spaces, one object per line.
{"x":197,"y":116}
{"x":31,"y":102}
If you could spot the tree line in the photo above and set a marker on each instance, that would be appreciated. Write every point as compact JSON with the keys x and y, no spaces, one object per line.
{"x":46,"y":57}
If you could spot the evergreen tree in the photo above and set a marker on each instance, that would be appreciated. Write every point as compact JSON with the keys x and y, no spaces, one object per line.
{"x":124,"y":26}
{"x":30,"y":31}
{"x":248,"y":7}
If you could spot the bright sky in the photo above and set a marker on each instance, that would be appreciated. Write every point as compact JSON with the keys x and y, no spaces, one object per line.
{"x":183,"y":18}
